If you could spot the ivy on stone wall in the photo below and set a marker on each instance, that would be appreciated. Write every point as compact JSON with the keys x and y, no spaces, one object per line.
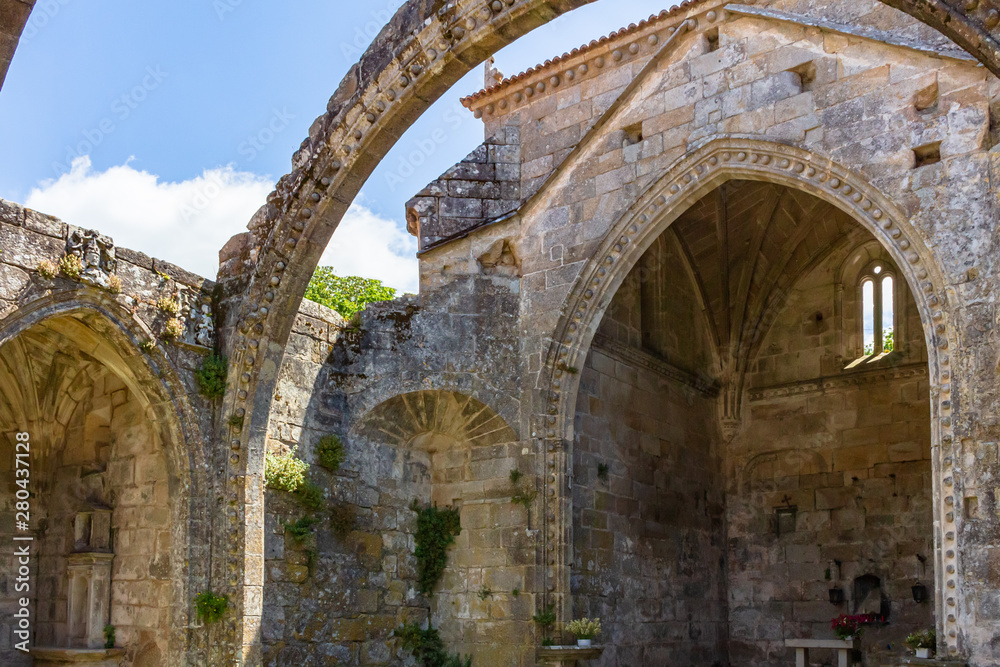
{"x":427,"y":646}
{"x":436,"y":531}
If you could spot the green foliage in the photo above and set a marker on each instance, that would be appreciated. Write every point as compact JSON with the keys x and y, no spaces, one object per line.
{"x":114,"y":284}
{"x":169,"y":305}
{"x":148,"y":346}
{"x":515,"y":476}
{"x":71,"y":266}
{"x":302,"y":529}
{"x":211,"y":607}
{"x":348,"y":294}
{"x":427,"y":647}
{"x":284,"y":472}
{"x":211,"y":377}
{"x":888,"y":341}
{"x":485,"y":592}
{"x":235,"y":420}
{"x":173,"y":328}
{"x":546,"y":618}
{"x":343,"y":516}
{"x":330,"y":452}
{"x":516,"y":592}
{"x":548,"y":642}
{"x":436,"y":531}
{"x":922,"y":639}
{"x":310,"y":495}
{"x":524,"y":497}
{"x":47,"y":269}
{"x":109,"y":636}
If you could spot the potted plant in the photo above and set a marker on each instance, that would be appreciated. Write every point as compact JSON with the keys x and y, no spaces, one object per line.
{"x":849,"y":627}
{"x":922,"y":642}
{"x":584,"y":629}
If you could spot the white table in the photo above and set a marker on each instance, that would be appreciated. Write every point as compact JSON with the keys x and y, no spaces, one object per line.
{"x":843,"y":647}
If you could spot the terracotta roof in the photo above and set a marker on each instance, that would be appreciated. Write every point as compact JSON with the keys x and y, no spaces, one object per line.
{"x":633,"y":28}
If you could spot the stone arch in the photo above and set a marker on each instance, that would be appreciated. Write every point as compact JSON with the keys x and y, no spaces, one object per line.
{"x":702,"y":169}
{"x":107,"y":334}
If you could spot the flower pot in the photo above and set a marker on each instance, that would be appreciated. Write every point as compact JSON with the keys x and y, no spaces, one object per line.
{"x":584,"y":643}
{"x":923,"y":653}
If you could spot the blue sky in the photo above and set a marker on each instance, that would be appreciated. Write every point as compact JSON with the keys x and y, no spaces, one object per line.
{"x":165,"y":124}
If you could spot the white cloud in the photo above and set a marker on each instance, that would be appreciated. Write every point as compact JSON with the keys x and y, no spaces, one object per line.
{"x":187,"y":222}
{"x":369,"y":245}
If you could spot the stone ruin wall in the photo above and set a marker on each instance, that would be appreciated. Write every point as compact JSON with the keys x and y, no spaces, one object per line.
{"x":343,"y":378}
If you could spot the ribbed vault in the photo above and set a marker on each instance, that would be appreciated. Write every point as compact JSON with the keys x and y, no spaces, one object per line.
{"x":747,"y":243}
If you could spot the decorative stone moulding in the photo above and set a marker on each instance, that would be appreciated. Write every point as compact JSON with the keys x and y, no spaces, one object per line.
{"x":636,"y":41}
{"x":704,"y":168}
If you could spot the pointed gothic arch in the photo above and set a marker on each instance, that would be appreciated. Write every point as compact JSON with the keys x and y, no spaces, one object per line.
{"x":700,"y":171}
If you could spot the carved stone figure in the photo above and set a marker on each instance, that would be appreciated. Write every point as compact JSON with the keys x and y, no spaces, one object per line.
{"x":96,"y":253}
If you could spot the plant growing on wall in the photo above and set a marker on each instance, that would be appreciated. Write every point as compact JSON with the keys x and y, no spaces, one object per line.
{"x":109,"y":636}
{"x":173,"y":328}
{"x":524,"y":497}
{"x":310,"y":495}
{"x":427,"y":646}
{"x":211,"y":607}
{"x":211,"y":377}
{"x":545,"y":619}
{"x":330,"y":452}
{"x":47,"y":269}
{"x":114,"y":284}
{"x":71,"y":266}
{"x":436,"y":531}
{"x":168,"y":305}
{"x":302,"y":529}
{"x":284,"y":472}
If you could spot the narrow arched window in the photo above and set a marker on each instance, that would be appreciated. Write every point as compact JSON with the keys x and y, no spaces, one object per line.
{"x":868,"y":306}
{"x":878,"y":309}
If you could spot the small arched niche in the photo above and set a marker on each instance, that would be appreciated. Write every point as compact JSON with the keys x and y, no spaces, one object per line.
{"x":446,"y":448}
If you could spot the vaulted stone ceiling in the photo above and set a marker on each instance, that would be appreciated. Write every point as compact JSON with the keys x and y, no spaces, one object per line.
{"x":747,"y":243}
